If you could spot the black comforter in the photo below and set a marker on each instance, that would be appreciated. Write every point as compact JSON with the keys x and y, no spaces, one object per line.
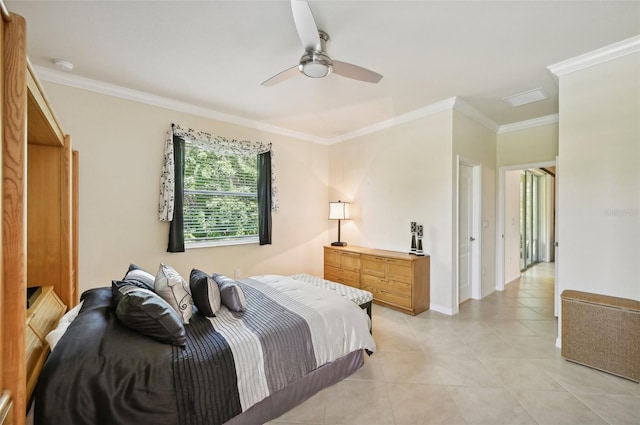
{"x":98,"y":345}
{"x":102,"y":372}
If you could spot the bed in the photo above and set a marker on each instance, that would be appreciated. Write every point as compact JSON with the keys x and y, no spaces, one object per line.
{"x":239,"y":367}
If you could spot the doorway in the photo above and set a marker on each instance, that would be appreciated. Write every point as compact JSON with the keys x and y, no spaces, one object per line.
{"x":532,"y":217}
{"x":526,"y":219}
{"x":469,"y":231}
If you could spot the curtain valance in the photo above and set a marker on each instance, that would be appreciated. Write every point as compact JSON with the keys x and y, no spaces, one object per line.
{"x":219,"y":145}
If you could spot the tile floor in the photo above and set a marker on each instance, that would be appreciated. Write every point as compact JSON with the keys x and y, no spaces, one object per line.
{"x":493,"y":363}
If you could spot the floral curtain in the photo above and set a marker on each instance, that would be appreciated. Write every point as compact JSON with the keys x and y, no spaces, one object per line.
{"x":172,"y":180}
{"x":204,"y":140}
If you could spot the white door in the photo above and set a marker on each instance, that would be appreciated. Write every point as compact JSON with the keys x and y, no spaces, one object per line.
{"x":556,"y":253}
{"x":465,"y":232}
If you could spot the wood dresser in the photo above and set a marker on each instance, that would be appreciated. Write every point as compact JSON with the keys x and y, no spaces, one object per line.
{"x":396,"y":279}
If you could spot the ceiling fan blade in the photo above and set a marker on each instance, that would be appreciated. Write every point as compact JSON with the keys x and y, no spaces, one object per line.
{"x":284,"y":75}
{"x":306,"y":25}
{"x":355,"y":72}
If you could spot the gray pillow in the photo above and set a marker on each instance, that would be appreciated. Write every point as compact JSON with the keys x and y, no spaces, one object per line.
{"x":205,"y":292}
{"x":139,"y":277}
{"x":231,"y":293}
{"x":145,"y":312}
{"x":174,"y":289}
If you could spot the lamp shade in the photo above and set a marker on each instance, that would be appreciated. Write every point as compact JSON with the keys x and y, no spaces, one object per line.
{"x":339,"y":211}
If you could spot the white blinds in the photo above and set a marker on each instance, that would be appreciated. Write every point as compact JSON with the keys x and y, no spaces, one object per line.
{"x":220,"y":196}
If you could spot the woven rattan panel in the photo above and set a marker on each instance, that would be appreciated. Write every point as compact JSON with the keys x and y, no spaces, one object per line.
{"x":604,"y":337}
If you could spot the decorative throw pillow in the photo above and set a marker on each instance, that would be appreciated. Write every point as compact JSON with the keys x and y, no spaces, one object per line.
{"x":116,"y":285}
{"x":174,"y":289}
{"x":139,"y":277}
{"x":145,"y":312}
{"x":231,"y":293}
{"x":205,"y":292}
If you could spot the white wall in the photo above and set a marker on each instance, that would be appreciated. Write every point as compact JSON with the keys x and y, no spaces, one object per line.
{"x":512,"y":225}
{"x":599,"y":179}
{"x":121,"y":147}
{"x":476,"y":142}
{"x":528,"y":146}
{"x":396,"y":176}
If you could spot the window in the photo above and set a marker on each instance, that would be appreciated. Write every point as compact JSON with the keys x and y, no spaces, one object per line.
{"x":220,"y":197}
{"x":229,"y":187}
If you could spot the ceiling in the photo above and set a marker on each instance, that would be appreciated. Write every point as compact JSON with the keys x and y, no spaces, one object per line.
{"x":213,"y":55}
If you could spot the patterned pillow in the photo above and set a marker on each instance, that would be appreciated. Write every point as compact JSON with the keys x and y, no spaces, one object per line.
{"x":174,"y":289}
{"x":145,"y":312}
{"x":205,"y":292}
{"x":139,"y":277}
{"x":231,"y":293}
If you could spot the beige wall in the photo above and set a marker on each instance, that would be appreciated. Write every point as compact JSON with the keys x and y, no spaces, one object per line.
{"x":121,"y":143}
{"x":393,"y":177}
{"x":599,"y":179}
{"x":477,"y":143}
{"x":528,"y":146}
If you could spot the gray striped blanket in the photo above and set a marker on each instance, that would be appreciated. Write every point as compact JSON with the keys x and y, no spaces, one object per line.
{"x":239,"y":358}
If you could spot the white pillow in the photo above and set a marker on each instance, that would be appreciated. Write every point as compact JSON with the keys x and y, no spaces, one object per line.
{"x":174,"y":289}
{"x":54,"y":336}
{"x":71,"y":314}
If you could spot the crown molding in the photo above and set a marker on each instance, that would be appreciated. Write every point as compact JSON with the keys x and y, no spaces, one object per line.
{"x":474,"y":114}
{"x":47,"y":74}
{"x":434,"y":108}
{"x":595,"y":57}
{"x":535,"y":122}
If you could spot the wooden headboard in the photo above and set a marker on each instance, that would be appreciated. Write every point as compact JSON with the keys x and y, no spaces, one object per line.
{"x":42,"y":317}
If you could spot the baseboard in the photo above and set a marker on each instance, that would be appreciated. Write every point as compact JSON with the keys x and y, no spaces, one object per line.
{"x":559,"y":342}
{"x":489,"y":292}
{"x":441,"y":309}
{"x":513,"y":279}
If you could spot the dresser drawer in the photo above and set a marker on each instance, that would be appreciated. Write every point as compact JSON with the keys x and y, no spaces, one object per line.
{"x":342,"y":259}
{"x":390,"y":286}
{"x":388,"y":268}
{"x":399,"y":270}
{"x":389,"y":291}
{"x":347,"y":277}
{"x":332,"y":257}
{"x":350,"y":261}
{"x":390,"y":296}
{"x":373,"y":265}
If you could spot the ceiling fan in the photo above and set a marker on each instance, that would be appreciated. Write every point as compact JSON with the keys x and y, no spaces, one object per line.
{"x":315,"y":62}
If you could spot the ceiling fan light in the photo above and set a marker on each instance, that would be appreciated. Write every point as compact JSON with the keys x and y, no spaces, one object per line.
{"x":315,"y":65}
{"x":315,"y":69}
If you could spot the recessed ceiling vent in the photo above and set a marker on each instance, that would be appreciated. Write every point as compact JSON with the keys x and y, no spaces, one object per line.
{"x":526,"y":97}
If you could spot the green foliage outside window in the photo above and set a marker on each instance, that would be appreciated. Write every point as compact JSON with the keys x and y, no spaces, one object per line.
{"x":220,"y":199}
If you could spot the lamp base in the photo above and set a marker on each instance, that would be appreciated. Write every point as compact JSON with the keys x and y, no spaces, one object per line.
{"x":338,"y":244}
